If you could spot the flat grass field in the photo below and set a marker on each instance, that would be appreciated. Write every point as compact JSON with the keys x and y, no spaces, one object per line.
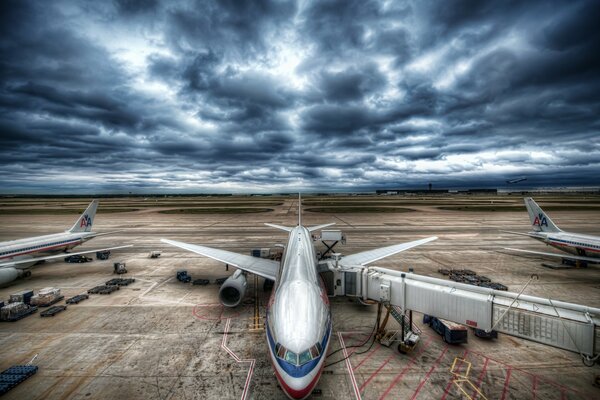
{"x":330,"y":204}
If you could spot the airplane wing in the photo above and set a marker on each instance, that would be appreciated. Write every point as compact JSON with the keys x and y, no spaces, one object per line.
{"x":567,"y":256}
{"x":258,"y":266}
{"x":61,"y":255}
{"x":316,"y":228}
{"x":283,"y":228}
{"x":367,"y":257}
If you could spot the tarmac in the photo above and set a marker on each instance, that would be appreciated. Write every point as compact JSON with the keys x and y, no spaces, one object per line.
{"x":162,"y":339}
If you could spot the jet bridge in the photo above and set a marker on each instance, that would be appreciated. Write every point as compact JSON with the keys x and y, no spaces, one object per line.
{"x":564,"y":325}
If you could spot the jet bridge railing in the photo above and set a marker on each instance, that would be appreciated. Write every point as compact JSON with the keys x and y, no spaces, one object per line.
{"x":564,"y":325}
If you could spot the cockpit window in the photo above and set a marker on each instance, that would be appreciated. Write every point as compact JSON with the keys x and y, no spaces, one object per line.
{"x":304,"y":357}
{"x":291,"y":357}
{"x":298,"y":359}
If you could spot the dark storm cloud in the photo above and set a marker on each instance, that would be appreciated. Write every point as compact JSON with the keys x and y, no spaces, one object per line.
{"x":269,"y":95}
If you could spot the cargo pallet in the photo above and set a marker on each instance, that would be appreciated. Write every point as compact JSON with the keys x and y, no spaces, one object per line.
{"x":56,"y":300}
{"x":77,"y":299}
{"x":120,"y":281}
{"x":52,"y":311}
{"x":14,"y":375}
{"x":103,"y":289}
{"x":31,"y":310}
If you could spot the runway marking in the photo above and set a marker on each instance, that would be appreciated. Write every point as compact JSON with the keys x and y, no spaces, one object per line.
{"x":251,"y":361}
{"x":349,"y":367}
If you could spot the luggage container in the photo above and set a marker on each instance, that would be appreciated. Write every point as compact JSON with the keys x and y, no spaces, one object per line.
{"x":24,"y":296}
{"x":46,"y":297}
{"x":15,"y":311}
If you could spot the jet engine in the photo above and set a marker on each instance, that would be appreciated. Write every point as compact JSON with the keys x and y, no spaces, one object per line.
{"x":233,"y":289}
{"x":8,"y":275}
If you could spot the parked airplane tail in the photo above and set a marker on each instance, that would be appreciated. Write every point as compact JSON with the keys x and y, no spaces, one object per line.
{"x":85,"y":221}
{"x":539,"y":220}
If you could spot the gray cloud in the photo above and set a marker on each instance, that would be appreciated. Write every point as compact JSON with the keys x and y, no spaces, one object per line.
{"x":274,"y":95}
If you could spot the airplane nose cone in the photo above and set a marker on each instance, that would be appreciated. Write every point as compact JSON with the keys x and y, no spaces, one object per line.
{"x":298,"y":388}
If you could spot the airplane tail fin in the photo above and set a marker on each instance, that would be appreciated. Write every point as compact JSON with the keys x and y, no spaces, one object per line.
{"x":85,"y":221}
{"x":539,"y":220}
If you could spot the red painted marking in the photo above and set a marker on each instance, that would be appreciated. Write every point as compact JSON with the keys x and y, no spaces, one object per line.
{"x":449,"y":385}
{"x":534,"y":388}
{"x":401,"y":374}
{"x":435,"y":364}
{"x":375,"y":373}
{"x":366,"y":358}
{"x":480,"y":378}
{"x":505,"y":389}
{"x":549,"y":381}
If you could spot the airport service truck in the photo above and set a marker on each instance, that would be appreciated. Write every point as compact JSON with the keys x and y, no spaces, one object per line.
{"x":451,"y":332}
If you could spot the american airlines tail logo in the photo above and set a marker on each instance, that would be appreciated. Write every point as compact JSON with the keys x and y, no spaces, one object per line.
{"x":540,"y":221}
{"x":85,"y":221}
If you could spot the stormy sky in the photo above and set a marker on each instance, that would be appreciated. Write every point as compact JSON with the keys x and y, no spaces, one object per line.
{"x":230,"y":96}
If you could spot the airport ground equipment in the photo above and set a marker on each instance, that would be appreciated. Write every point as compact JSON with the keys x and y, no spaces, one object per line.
{"x":330,"y":238}
{"x":78,"y":258}
{"x":103,"y":255}
{"x":77,"y":299}
{"x":556,"y":323}
{"x":485,"y":335}
{"x":11,"y":377}
{"x":182,"y":276}
{"x":201,"y":281}
{"x":16,"y":311}
{"x":407,"y":336}
{"x":46,"y":297}
{"x":24,"y":296}
{"x":154,"y":254}
{"x":120,"y":282}
{"x":103,"y":289}
{"x":119,"y":268}
{"x":451,"y":332}
{"x":52,"y":311}
{"x":220,"y":281}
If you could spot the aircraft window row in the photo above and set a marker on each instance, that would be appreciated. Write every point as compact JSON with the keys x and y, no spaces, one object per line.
{"x":35,"y":247}
{"x":298,"y":359}
{"x":579,"y":244}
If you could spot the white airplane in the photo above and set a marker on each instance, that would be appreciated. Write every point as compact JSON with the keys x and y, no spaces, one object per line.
{"x":17,"y":256}
{"x":298,"y":322}
{"x":585,"y":248}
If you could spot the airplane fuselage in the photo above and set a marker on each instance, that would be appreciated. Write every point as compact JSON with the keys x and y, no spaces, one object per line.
{"x":298,"y":322}
{"x":573,"y":243}
{"x":47,"y":244}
